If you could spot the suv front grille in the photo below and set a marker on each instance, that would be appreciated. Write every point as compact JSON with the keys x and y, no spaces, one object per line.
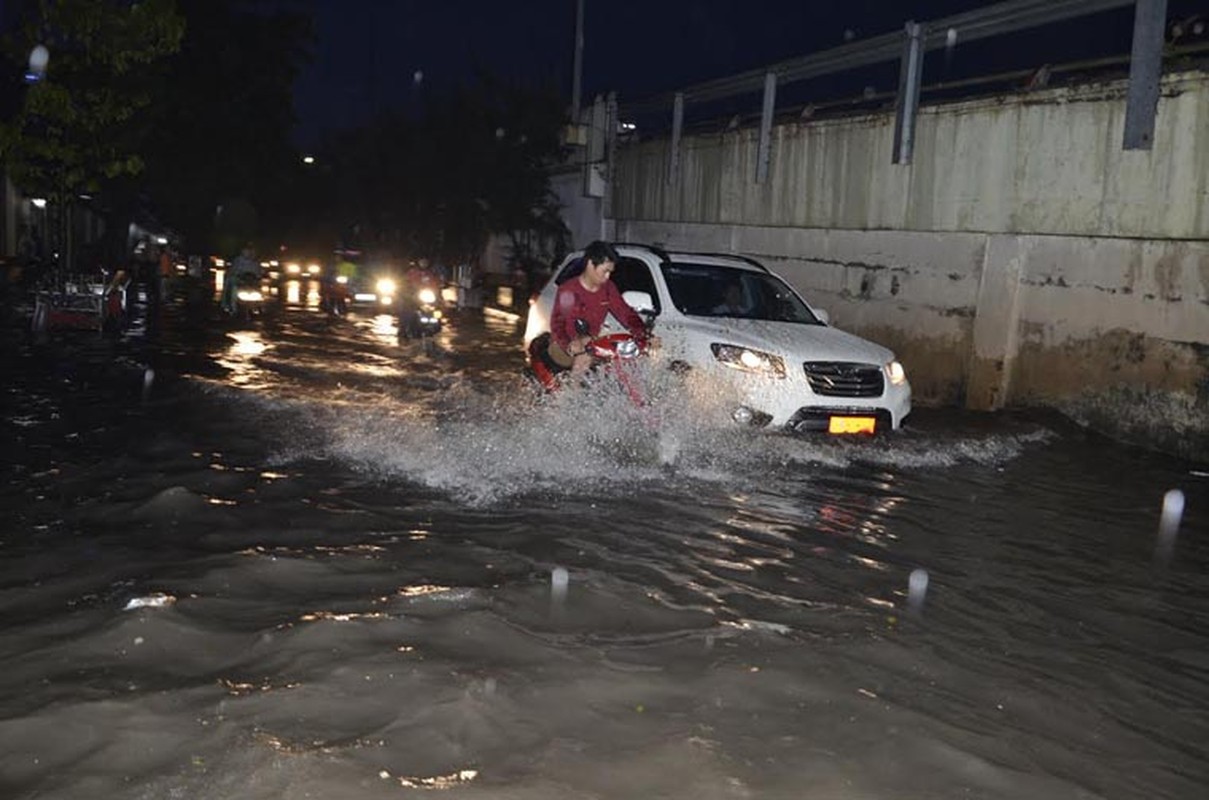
{"x":843,"y":379}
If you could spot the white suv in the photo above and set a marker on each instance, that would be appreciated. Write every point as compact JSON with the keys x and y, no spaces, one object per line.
{"x":731,"y":318}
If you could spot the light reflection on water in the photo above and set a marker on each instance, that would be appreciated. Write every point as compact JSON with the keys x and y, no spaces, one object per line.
{"x":299,"y":292}
{"x":241,"y":356}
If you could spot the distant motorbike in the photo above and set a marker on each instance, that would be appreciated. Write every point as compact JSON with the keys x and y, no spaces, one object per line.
{"x":249,"y":300}
{"x":335,"y":295}
{"x":422,"y":318}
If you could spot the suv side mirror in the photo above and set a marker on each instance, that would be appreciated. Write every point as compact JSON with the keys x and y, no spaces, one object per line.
{"x":822,"y":314}
{"x":639,"y":301}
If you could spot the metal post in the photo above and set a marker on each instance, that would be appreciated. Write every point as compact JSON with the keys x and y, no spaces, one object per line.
{"x":764,"y":153}
{"x":611,"y":114}
{"x":577,"y":78}
{"x":907,"y":106}
{"x":673,"y":171}
{"x":594,"y":153}
{"x":1145,"y":72}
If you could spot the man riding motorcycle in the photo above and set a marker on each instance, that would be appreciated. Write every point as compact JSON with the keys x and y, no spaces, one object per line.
{"x":338,"y":285}
{"x":243,"y":268}
{"x":588,"y":297}
{"x":421,"y":292}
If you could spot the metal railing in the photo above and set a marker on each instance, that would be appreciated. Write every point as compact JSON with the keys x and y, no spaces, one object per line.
{"x":909,"y":47}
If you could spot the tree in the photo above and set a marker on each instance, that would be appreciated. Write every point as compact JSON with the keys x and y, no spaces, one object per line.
{"x":81,"y":125}
{"x":474,"y":163}
{"x":222,"y":133}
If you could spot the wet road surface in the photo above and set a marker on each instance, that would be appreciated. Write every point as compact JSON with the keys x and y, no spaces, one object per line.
{"x":310,"y":561}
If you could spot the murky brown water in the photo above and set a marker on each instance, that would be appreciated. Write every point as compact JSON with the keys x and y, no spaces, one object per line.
{"x":316,"y":563}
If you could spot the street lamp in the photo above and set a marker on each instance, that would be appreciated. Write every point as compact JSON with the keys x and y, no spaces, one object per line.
{"x":39,"y":57}
{"x":308,"y":159}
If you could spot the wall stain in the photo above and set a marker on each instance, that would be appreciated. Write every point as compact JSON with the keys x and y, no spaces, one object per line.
{"x":1135,"y":387}
{"x":1134,"y":271}
{"x":1168,"y":274}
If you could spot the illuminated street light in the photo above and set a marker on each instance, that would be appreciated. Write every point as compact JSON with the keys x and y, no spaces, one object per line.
{"x":39,"y":57}
{"x":308,"y":159}
{"x":39,"y":202}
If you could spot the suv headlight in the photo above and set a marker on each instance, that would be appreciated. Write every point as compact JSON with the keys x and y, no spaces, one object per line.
{"x":748,"y":360}
{"x":386,"y":286}
{"x":896,"y":373}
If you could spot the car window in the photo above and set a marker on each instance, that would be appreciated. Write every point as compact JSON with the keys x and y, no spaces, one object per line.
{"x":705,"y":290}
{"x":633,"y":275}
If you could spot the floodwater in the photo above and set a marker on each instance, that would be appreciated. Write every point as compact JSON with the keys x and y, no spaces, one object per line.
{"x":303,"y":560}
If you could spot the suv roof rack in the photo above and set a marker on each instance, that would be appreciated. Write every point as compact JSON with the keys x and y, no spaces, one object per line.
{"x":738,"y":256}
{"x":659,"y":251}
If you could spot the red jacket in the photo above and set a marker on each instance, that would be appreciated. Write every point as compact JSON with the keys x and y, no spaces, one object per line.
{"x":574,"y":301}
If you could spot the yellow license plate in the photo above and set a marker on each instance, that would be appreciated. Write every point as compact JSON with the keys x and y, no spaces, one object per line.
{"x":851,"y":425}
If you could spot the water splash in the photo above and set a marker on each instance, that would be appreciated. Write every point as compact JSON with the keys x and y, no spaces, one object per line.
{"x":486,"y":443}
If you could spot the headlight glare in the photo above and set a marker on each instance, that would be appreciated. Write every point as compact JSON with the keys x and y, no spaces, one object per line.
{"x":427,"y":296}
{"x":627,"y":348}
{"x":386,"y":286}
{"x":896,"y":373}
{"x":748,"y":360}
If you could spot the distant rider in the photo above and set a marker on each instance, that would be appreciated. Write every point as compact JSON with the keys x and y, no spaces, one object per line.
{"x":244,"y":264}
{"x":339,"y":283}
{"x":590,"y":296}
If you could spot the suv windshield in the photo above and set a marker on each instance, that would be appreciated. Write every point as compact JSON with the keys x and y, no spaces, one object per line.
{"x":704,"y":290}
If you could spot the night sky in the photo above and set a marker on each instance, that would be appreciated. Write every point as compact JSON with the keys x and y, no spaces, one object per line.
{"x":369,"y":52}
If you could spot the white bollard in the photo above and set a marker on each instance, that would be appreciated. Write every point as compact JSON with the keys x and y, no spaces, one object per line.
{"x":148,"y":381}
{"x":1169,"y":525}
{"x":559,"y":579}
{"x":917,"y":589}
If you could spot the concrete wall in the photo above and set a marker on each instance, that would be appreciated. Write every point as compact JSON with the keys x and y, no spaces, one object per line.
{"x":1023,"y":258}
{"x":582,"y":215}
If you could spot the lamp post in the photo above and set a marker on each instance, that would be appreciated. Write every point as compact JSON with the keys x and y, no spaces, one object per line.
{"x":577,"y":77}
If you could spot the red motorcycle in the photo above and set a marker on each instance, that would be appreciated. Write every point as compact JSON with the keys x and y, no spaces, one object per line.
{"x":615,"y":353}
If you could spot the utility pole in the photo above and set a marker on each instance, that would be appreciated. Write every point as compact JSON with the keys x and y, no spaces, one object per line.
{"x":577,"y":78}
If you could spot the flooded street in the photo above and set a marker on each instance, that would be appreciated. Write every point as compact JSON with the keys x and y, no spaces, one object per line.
{"x":303,"y":560}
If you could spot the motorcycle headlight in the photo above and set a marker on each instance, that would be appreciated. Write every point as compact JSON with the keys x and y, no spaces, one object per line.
{"x":341,"y":279}
{"x":627,"y":348}
{"x":748,"y":360}
{"x":895,"y":373}
{"x":427,"y":296}
{"x":249,"y":295}
{"x":385,"y":286}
